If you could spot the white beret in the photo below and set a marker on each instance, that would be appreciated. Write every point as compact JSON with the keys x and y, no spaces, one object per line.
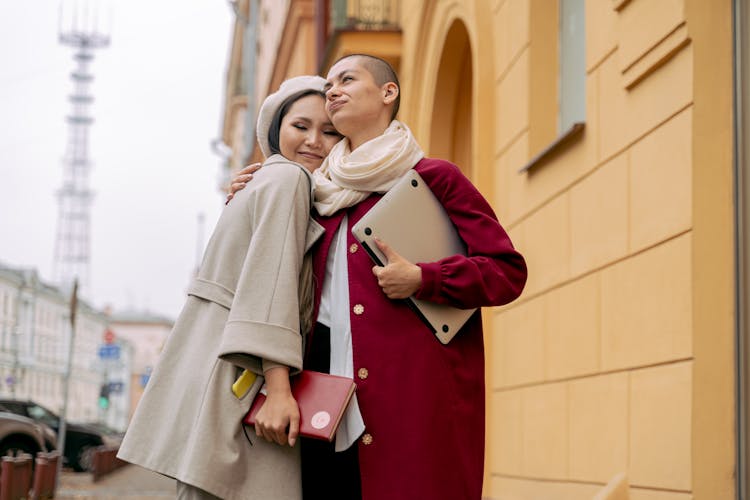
{"x":272,"y":103}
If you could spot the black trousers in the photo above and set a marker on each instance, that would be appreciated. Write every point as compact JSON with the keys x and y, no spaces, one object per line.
{"x":327,"y":475}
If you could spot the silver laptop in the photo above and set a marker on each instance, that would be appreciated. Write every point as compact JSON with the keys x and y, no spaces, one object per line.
{"x":414,"y":223}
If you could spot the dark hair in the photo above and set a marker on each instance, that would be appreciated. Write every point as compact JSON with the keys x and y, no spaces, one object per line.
{"x":382,"y":72}
{"x":275,"y":128}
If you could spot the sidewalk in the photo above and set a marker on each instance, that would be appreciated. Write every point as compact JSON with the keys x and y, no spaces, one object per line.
{"x":129,"y":482}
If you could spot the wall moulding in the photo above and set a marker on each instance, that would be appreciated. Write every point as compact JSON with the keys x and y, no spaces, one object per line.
{"x":618,"y":5}
{"x":657,"y":56}
{"x":650,"y":33}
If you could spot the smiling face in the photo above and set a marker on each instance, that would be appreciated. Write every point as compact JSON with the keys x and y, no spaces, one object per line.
{"x":359,"y":107}
{"x":306,"y":134}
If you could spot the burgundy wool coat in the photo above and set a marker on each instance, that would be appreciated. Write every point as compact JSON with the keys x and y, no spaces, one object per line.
{"x":422,"y":401}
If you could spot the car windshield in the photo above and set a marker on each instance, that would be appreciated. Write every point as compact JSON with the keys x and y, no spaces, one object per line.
{"x":42,"y":414}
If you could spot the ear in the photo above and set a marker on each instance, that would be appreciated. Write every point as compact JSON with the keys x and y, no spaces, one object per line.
{"x":390,"y":92}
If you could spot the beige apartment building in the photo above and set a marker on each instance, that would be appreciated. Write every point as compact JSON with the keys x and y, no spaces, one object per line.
{"x":146,"y":334}
{"x":603,"y":134}
{"x":35,"y":343}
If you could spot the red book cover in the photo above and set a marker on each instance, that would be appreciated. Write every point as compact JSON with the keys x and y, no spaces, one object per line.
{"x":322,"y":399}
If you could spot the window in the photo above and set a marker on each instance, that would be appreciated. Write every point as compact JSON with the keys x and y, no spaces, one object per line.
{"x":557,"y":69}
{"x":572,"y":40}
{"x":42,"y":414}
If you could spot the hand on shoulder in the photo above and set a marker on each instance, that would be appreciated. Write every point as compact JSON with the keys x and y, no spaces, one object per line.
{"x":241,"y":179}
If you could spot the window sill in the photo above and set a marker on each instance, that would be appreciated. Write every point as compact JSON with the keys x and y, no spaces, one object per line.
{"x":567,"y":137}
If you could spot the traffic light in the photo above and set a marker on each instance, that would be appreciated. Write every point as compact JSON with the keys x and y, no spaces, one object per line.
{"x":104,"y":396}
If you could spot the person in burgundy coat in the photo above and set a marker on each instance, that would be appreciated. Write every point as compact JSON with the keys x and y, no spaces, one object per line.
{"x":421,"y":402}
{"x":416,"y":427}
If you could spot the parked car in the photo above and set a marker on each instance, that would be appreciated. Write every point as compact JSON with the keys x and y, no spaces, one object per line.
{"x":22,"y":434}
{"x":112,"y":437}
{"x":80,"y":439}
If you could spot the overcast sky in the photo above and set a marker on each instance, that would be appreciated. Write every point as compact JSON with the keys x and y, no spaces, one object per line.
{"x":159,"y":92}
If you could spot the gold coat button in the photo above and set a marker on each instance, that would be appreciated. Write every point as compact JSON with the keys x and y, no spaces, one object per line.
{"x":362,"y":373}
{"x":367,"y":439}
{"x":358,"y":309}
{"x":353,"y":248}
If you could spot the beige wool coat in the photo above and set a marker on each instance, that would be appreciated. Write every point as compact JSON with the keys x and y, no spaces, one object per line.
{"x":242,"y":311}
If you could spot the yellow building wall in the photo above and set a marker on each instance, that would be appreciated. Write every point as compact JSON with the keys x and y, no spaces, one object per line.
{"x":619,"y":355}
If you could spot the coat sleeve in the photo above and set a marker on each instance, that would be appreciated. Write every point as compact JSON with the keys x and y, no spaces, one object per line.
{"x":492,"y":272}
{"x":262,"y":329}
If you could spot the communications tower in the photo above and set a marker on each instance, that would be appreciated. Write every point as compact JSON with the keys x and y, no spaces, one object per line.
{"x":79,"y":28}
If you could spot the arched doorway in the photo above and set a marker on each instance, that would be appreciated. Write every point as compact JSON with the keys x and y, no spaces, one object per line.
{"x":451,"y":125}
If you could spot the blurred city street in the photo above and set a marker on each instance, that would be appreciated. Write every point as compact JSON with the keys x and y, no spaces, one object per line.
{"x":131,"y":482}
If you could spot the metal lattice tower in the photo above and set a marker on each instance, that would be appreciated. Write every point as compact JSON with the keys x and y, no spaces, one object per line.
{"x":79,"y":28}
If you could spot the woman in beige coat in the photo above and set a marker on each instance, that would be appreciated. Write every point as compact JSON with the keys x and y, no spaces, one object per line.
{"x":242,"y":312}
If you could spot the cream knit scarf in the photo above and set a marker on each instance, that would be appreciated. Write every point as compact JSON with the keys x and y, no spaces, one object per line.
{"x":347,"y":177}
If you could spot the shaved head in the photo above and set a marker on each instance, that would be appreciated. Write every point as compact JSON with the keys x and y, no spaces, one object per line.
{"x":381,"y":72}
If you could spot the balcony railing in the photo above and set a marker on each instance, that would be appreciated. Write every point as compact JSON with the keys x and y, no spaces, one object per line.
{"x":370,"y":15}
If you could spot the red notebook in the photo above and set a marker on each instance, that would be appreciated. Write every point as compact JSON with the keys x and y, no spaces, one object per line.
{"x":322,"y":399}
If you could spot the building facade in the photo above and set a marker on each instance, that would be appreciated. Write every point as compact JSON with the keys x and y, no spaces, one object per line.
{"x":34,"y":347}
{"x":145,"y":333}
{"x":602,"y":133}
{"x":272,"y":40}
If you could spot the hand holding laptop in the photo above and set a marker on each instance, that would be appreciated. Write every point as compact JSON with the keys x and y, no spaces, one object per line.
{"x":412,"y":219}
{"x":399,"y":278}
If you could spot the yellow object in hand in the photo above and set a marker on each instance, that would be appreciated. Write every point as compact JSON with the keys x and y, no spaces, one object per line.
{"x":243,"y":383}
